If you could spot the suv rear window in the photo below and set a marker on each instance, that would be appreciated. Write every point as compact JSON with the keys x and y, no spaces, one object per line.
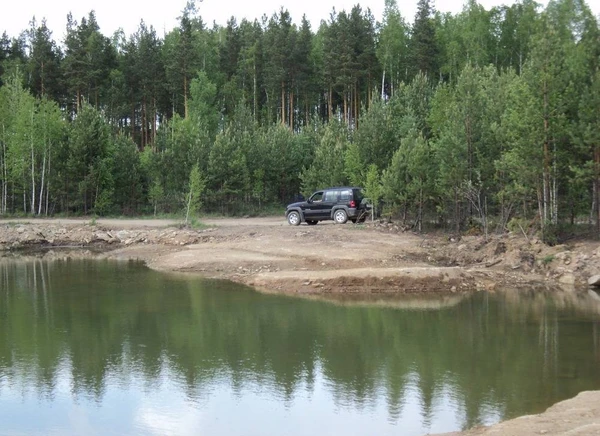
{"x":346,"y":195}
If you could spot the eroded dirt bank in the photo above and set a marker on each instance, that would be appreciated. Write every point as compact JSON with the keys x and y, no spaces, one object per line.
{"x":329,"y":259}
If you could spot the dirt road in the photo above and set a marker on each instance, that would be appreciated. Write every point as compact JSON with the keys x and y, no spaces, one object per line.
{"x":117,"y":223}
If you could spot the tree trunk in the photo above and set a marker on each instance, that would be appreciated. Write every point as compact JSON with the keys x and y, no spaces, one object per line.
{"x":356,"y":105}
{"x":420,"y":211}
{"x":282,"y":102}
{"x":41,"y":200}
{"x":469,"y":134}
{"x":346,"y":107}
{"x":133,"y":121}
{"x":143,"y":130}
{"x":554,"y":198}
{"x":48,"y":183}
{"x":540,"y":198}
{"x":292,"y":110}
{"x":306,"y":110}
{"x":456,"y":211}
{"x":154,"y":121}
{"x":254,"y":90}
{"x":24,"y":198}
{"x":547,"y":159}
{"x":32,"y":167}
{"x":43,"y":88}
{"x":330,"y":104}
{"x":4,"y":175}
{"x":597,"y":187}
{"x":185,"y":99}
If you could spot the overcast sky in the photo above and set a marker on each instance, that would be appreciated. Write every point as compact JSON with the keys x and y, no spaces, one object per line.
{"x":126,"y":14}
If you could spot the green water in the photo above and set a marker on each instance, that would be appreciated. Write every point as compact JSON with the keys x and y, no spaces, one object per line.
{"x":98,"y":347}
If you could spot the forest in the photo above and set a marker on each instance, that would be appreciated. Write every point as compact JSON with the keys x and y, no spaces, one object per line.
{"x":484,"y":119}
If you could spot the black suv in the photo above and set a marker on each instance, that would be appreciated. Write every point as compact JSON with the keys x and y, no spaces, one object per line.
{"x":337,"y":204}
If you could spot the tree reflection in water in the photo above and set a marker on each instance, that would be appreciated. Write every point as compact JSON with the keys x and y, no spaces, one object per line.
{"x":461,"y":360}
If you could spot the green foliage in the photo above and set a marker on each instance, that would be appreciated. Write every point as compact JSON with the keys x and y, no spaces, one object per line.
{"x":228,"y":177}
{"x":392,"y":50}
{"x":409,"y":181}
{"x":550,"y":234}
{"x":395,"y":178}
{"x":518,"y":225}
{"x":423,"y":44}
{"x":546,"y":260}
{"x":354,"y":166}
{"x":90,"y":158}
{"x":278,"y":156}
{"x":179,"y":145}
{"x":127,"y":176}
{"x":327,"y":168}
{"x":202,"y":104}
{"x":156,"y":195}
{"x":373,"y":188}
{"x":197,"y":184}
{"x":378,"y":135}
{"x":503,"y":101}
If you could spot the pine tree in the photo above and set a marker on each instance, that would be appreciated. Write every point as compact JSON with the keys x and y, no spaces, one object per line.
{"x":250,"y":64}
{"x":183,"y":57}
{"x":423,"y":43}
{"x":89,"y":174}
{"x":44,"y":63}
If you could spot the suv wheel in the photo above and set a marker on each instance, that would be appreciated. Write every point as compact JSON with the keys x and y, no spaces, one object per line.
{"x":293,"y":218}
{"x":340,"y":216}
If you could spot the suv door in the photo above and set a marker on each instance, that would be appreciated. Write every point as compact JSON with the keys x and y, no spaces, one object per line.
{"x":330,"y":199}
{"x":313,"y":207}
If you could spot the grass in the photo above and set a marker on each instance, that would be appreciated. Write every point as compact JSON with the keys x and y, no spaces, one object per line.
{"x":547,"y":259}
{"x":15,"y":221}
{"x":195,"y":224}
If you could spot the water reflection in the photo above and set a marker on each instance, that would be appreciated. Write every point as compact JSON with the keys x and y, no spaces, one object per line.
{"x":100,"y":347}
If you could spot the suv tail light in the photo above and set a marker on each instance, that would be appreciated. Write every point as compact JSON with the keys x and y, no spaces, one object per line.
{"x":352,"y":203}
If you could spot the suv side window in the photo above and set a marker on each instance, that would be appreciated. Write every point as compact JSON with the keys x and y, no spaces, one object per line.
{"x":331,"y":196}
{"x":317,"y":197}
{"x":346,"y":195}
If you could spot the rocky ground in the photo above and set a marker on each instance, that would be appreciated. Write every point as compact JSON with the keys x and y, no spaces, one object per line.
{"x":377,"y":259}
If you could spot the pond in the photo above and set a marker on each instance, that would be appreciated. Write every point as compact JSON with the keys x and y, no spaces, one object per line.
{"x":100,"y":347}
